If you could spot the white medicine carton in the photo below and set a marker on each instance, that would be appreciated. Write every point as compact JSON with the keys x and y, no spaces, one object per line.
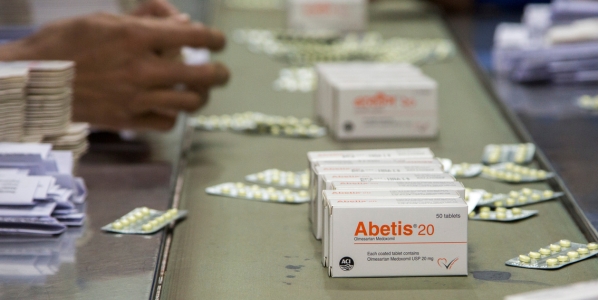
{"x":358,"y":72}
{"x":399,"y":109}
{"x":336,"y":15}
{"x":396,"y":237}
{"x":455,"y":186}
{"x":378,"y":162}
{"x":329,"y":195}
{"x":318,"y":184}
{"x":314,"y":157}
{"x":330,"y":178}
{"x":367,"y":156}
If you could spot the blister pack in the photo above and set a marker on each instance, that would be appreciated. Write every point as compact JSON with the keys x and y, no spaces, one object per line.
{"x":472,"y":197}
{"x":296,"y":80}
{"x":501,"y":214}
{"x":236,"y":122}
{"x":554,"y":256}
{"x":296,"y":180}
{"x":144,"y":220}
{"x":304,"y":49}
{"x":512,"y":173}
{"x":588,"y":102}
{"x":517,"y":153}
{"x":258,"y":123}
{"x":255,"y":192}
{"x":522,"y":197}
{"x":466,"y":170}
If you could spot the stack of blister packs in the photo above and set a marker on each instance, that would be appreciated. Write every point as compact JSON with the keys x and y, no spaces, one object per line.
{"x":12,"y":103}
{"x":38,"y":193}
{"x":556,"y":42}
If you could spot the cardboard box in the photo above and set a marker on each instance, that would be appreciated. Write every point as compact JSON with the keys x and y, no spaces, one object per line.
{"x":404,"y":186}
{"x":358,"y":72}
{"x":325,"y":181}
{"x":397,"y":237}
{"x":317,"y":183}
{"x":337,"y":15}
{"x":406,"y":155}
{"x":401,"y":109}
{"x":379,"y":195}
{"x":314,"y":157}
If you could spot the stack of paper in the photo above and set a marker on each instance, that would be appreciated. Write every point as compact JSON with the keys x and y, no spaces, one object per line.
{"x":35,"y":105}
{"x":38,"y":193}
{"x":49,"y":97}
{"x":12,"y":103}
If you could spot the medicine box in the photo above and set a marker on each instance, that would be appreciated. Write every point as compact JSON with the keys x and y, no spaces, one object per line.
{"x":405,"y":108}
{"x":337,"y":15}
{"x":380,"y":195}
{"x":357,"y":71}
{"x":370,"y":237}
{"x":374,"y":156}
{"x":406,"y":186}
{"x":347,"y":155}
{"x":328,"y":179}
{"x":316,"y":186}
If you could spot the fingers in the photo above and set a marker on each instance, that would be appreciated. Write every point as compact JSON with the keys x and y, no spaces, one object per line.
{"x":167,"y":102}
{"x":152,"y":121}
{"x":164,"y":34}
{"x":156,"y":8}
{"x":161,"y":73}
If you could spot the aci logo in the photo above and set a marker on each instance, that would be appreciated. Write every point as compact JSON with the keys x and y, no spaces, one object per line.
{"x":378,"y":100}
{"x":448,"y":265}
{"x":346,"y":263}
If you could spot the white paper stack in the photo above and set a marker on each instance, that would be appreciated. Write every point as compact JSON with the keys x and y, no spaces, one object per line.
{"x":38,"y":193}
{"x":12,"y":102}
{"x":49,"y":97}
{"x":36,"y":104}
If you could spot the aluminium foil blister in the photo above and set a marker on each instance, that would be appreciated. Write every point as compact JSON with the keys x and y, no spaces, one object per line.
{"x":276,"y":177}
{"x":515,"y":198}
{"x":554,"y":256}
{"x":254,"y":192}
{"x":502,"y":153}
{"x":512,"y":173}
{"x":465,"y":170}
{"x":143,"y":220}
{"x":501,"y":214}
{"x":258,"y":123}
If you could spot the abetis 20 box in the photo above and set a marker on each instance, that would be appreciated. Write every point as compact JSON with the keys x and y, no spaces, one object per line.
{"x":397,"y":237}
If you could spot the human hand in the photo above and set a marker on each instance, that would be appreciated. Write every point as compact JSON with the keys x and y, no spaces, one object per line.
{"x":159,"y":9}
{"x":162,"y":9}
{"x":121,"y":82}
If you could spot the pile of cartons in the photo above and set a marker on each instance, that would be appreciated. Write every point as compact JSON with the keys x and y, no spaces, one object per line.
{"x":387,"y":212}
